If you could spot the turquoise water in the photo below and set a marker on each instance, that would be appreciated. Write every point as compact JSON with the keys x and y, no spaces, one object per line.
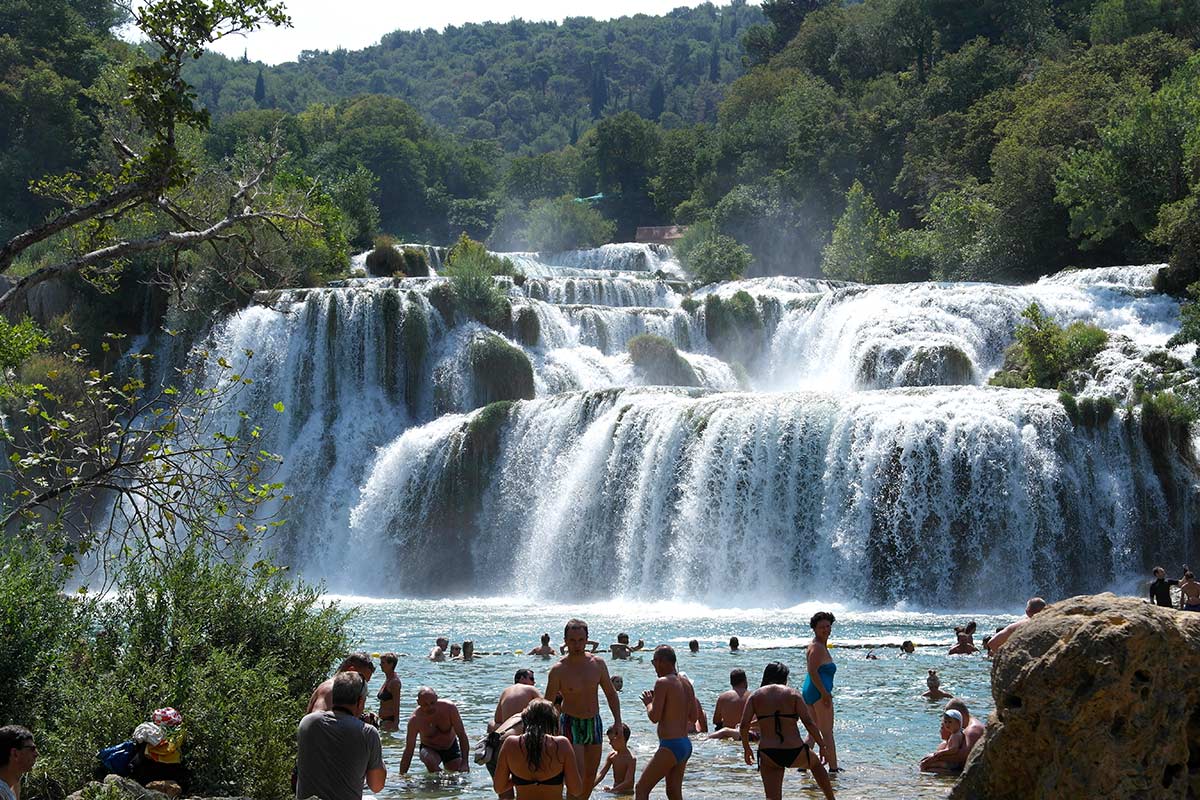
{"x":883,"y":725}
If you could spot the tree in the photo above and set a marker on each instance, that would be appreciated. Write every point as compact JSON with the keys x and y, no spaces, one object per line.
{"x":103,"y":464}
{"x":658,"y":99}
{"x":143,"y":181}
{"x":599,"y":91}
{"x":260,"y":90}
{"x":564,"y":224}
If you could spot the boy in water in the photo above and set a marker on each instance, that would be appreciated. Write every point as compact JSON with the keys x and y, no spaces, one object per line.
{"x":948,"y":757}
{"x":621,"y":760}
{"x":672,"y":705}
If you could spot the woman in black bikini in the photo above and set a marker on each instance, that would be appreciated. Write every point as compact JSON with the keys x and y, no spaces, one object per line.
{"x":778,"y":708}
{"x":538,"y":763}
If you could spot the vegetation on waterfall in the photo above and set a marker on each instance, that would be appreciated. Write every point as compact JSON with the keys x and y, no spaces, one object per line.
{"x":734,"y":326}
{"x":1045,"y":355}
{"x":711,"y":257}
{"x":499,"y":371}
{"x":659,"y":363}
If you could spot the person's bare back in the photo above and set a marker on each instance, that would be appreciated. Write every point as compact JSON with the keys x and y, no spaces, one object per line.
{"x":514,"y":699}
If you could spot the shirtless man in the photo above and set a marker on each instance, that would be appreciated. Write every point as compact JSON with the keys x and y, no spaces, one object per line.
{"x":545,"y":649}
{"x":672,"y":705}
{"x":1034,"y":605}
{"x":734,"y":645}
{"x":576,"y":677}
{"x":507,"y":718}
{"x":700,"y":725}
{"x":514,"y":699}
{"x":443,"y":737}
{"x":965,"y":644}
{"x":322,"y":696}
{"x":389,"y":694}
{"x":438,"y":653}
{"x":1189,"y":593}
{"x":727,"y":715}
{"x":951,"y":754}
{"x":621,"y":649}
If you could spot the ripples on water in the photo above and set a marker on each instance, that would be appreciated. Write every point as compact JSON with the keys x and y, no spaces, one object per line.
{"x":884,"y":726}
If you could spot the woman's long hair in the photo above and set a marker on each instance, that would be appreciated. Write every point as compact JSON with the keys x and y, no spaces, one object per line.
{"x":541,"y":720}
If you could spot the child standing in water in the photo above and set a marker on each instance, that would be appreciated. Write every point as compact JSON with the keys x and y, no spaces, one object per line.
{"x":621,"y":760}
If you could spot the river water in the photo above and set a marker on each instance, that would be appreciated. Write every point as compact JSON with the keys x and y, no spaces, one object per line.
{"x":883,"y":725}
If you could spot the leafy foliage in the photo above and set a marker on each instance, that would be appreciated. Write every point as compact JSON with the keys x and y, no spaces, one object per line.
{"x":564,"y":224}
{"x":1044,"y":354}
{"x":711,"y":257}
{"x":659,"y":362}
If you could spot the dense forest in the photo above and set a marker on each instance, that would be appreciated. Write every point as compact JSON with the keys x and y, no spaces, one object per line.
{"x":878,"y":141}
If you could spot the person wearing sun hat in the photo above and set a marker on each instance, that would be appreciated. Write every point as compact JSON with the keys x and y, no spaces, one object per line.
{"x":948,"y":756}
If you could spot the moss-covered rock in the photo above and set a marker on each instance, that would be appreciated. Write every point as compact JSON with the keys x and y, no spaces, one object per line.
{"x":528,"y":327}
{"x":385,"y":260}
{"x":659,"y":363}
{"x":441,"y":297}
{"x":416,"y":265}
{"x":414,"y":335}
{"x":499,"y":370}
{"x":734,"y":327}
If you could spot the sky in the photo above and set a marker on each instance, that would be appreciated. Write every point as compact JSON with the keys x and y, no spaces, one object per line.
{"x":355,"y":24}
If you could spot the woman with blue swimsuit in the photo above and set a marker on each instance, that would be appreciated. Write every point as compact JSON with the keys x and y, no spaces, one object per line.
{"x":818,"y":683}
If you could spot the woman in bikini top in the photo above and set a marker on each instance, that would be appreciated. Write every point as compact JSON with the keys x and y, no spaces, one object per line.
{"x":780,"y":709}
{"x":538,"y":763}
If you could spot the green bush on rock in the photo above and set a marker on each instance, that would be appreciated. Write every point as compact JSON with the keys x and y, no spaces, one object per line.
{"x":659,"y":362}
{"x":471,"y":269}
{"x":563,"y":224}
{"x":499,"y":370}
{"x":1044,"y":354}
{"x":734,"y":326}
{"x":528,"y":327}
{"x":712,"y":257}
{"x":385,"y":260}
{"x":416,"y":265}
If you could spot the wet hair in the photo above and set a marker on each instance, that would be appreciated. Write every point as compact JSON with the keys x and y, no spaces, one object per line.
{"x":907,"y":644}
{"x":1158,"y":571}
{"x":737,"y":677}
{"x":1034,"y":605}
{"x":523,"y":672}
{"x":970,"y":627}
{"x":624,"y":730}
{"x":456,"y":647}
{"x":360,"y":660}
{"x":665,"y":652}
{"x":442,"y":642}
{"x":775,"y":673}
{"x":694,"y":645}
{"x":958,"y":705}
{"x":819,"y":617}
{"x":469,"y":644}
{"x":933,"y":681}
{"x":574,"y":623}
{"x":348,"y":689}
{"x":541,"y":720}
{"x":388,"y":658}
{"x":13,"y":736}
{"x":545,"y":638}
{"x":987,"y":637}
{"x":623,"y":638}
{"x":733,"y":643}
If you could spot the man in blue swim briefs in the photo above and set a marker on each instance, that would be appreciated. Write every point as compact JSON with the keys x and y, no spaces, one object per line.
{"x":574,"y":680}
{"x":672,"y":705}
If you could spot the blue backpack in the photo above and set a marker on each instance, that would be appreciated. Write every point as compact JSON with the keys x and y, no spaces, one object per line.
{"x":116,"y":758}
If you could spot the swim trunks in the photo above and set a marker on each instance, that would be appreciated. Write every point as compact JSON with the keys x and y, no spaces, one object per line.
{"x":451,"y":753}
{"x":1192,"y":608}
{"x":681,"y":748}
{"x":811,"y":693}
{"x":582,"y":731}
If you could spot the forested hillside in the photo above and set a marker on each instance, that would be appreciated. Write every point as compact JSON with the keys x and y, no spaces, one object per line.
{"x":884,"y":140}
{"x":530,"y":86}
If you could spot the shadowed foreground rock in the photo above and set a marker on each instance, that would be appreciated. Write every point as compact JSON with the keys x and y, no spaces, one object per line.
{"x":1096,"y":697}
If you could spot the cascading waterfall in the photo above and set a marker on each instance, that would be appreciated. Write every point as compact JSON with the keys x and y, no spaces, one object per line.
{"x":800,"y":467}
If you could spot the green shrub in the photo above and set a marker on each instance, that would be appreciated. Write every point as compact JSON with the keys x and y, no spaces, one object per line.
{"x":385,"y":260}
{"x":1045,"y":354}
{"x":468,"y":254}
{"x":1166,"y":425}
{"x":236,"y":648}
{"x":500,"y":371}
{"x":734,"y":326}
{"x":689,"y":304}
{"x":1070,"y":406}
{"x":1096,"y":411}
{"x":658,"y":360}
{"x":563,"y":224}
{"x":471,"y":269}
{"x":712,"y":257}
{"x":528,"y":327}
{"x":416,"y":265}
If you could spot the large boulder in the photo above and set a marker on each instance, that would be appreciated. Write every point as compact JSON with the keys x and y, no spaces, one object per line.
{"x":1096,"y":696}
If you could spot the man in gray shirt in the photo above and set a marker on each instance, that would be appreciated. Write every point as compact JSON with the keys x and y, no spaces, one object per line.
{"x":336,"y":750}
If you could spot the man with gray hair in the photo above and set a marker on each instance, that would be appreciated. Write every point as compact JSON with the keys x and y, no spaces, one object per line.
{"x":1034,"y":605}
{"x":336,"y":751}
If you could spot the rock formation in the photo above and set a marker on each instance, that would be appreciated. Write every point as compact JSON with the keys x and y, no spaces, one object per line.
{"x":1097,"y":697}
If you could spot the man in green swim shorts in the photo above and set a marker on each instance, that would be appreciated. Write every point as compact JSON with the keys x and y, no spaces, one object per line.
{"x":575,"y":679}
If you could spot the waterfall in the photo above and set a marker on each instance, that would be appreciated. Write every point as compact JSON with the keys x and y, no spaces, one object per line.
{"x":839,"y":440}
